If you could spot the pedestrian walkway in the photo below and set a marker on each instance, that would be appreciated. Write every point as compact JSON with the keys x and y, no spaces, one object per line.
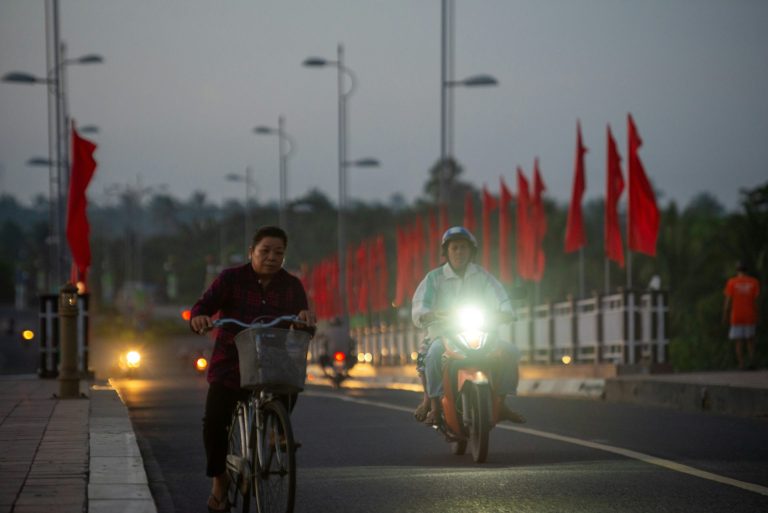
{"x":68,"y":455}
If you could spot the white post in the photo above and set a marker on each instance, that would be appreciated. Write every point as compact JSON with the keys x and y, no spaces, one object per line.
{"x":630,"y":306}
{"x":660,"y":327}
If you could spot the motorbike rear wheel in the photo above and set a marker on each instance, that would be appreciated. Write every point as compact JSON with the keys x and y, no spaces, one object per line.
{"x":479,"y":419}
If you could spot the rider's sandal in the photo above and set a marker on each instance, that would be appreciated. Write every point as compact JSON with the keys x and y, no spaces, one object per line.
{"x":223,"y":504}
{"x":420,"y":413}
{"x":432,"y":418}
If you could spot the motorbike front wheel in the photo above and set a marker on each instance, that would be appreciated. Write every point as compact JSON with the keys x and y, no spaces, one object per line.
{"x":480,"y":411}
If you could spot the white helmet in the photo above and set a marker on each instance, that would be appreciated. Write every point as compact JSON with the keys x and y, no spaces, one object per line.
{"x":456,"y":233}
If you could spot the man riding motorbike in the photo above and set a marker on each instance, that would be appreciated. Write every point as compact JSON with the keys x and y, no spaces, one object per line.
{"x":443,"y":289}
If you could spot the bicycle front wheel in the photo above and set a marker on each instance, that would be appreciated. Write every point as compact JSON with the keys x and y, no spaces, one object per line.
{"x":239,"y":460}
{"x":275,"y":461}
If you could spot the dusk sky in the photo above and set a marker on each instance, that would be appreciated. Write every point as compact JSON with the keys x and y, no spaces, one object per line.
{"x":185,"y":81}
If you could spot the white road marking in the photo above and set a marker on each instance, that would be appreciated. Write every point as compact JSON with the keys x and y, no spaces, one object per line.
{"x":627,"y":453}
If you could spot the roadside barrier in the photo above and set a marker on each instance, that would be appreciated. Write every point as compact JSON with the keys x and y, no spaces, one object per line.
{"x":625,"y":328}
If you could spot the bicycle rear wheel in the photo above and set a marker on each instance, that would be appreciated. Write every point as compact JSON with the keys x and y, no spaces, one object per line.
{"x":275,"y":461}
{"x":239,"y":460}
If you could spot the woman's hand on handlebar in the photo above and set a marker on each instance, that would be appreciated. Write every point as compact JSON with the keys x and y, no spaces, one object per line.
{"x":201,"y":324}
{"x":307,"y":319}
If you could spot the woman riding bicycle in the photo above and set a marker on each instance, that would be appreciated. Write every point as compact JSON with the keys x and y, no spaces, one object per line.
{"x":257,"y":289}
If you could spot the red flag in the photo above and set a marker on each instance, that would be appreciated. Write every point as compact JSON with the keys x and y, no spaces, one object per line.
{"x":319,"y":290}
{"x":643,"y":214}
{"x":417,"y":255}
{"x":539,"y":224}
{"x":469,"y":212}
{"x":363,"y":278}
{"x":489,"y":205}
{"x":523,"y":239}
{"x":614,"y":186}
{"x":327,"y":294}
{"x":403,"y":266}
{"x":382,"y":298}
{"x":575,"y":237}
{"x":505,"y":227}
{"x":434,"y":240}
{"x":371,"y":275}
{"x":350,"y":288}
{"x":83,"y":167}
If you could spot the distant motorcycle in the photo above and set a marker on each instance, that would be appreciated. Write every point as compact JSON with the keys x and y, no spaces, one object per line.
{"x":470,"y":406}
{"x":129,"y":362}
{"x":337,"y":358}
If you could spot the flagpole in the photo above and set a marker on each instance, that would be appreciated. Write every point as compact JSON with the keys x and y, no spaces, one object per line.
{"x":629,"y":235}
{"x":581,"y":273}
{"x":607,"y":277}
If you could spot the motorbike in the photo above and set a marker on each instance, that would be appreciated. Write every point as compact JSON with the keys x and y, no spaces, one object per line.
{"x":129,"y":362}
{"x":337,"y":357}
{"x":470,"y":408}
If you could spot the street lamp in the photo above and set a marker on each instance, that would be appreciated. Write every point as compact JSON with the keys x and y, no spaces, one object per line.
{"x":246,"y":177}
{"x":89,"y":129}
{"x":58,"y":137}
{"x":284,"y":154}
{"x":343,"y":94}
{"x":446,"y":98}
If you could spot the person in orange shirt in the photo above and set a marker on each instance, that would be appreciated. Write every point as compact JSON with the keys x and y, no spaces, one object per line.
{"x":741,"y":293}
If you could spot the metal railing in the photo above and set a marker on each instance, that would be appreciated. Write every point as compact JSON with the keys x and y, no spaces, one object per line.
{"x":624,"y":328}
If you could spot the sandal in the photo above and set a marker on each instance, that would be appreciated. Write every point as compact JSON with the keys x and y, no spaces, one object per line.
{"x":223,"y":504}
{"x":420,"y":413}
{"x":433,"y":418}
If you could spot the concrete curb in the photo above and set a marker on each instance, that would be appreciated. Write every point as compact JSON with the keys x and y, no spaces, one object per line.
{"x":713,"y":397}
{"x":580,"y":387}
{"x":117,"y":481}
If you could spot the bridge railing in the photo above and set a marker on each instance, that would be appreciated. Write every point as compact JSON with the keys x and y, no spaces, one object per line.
{"x":623,"y":328}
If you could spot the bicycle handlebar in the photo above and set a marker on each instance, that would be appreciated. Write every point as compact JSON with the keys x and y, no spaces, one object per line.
{"x":257,"y":324}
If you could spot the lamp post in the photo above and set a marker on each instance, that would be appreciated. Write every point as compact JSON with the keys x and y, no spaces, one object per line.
{"x":58,"y":161}
{"x":283,"y":139}
{"x":246,"y":177}
{"x":344,"y":163}
{"x":446,"y":98}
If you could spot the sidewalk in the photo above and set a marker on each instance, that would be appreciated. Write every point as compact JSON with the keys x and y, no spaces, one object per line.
{"x":68,"y":455}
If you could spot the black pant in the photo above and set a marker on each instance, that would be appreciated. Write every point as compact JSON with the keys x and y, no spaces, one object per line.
{"x":219,"y":406}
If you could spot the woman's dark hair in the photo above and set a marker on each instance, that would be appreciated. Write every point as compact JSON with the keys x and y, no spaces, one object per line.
{"x":269,"y":231}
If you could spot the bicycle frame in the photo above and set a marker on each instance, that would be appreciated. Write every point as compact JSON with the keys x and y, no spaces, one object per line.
{"x":263,"y":466}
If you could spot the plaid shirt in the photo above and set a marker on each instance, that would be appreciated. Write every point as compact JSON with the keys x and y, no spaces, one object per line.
{"x":237,"y":293}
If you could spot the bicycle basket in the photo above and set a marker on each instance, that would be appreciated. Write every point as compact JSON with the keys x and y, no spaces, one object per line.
{"x":272,"y":358}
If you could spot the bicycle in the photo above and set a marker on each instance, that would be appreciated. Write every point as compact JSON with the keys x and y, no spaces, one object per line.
{"x":261,"y":454}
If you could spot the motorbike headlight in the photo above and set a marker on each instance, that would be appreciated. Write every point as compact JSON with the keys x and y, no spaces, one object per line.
{"x":133,"y":359}
{"x":471,"y":319}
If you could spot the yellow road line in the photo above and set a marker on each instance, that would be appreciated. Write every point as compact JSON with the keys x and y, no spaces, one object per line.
{"x":627,"y":453}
